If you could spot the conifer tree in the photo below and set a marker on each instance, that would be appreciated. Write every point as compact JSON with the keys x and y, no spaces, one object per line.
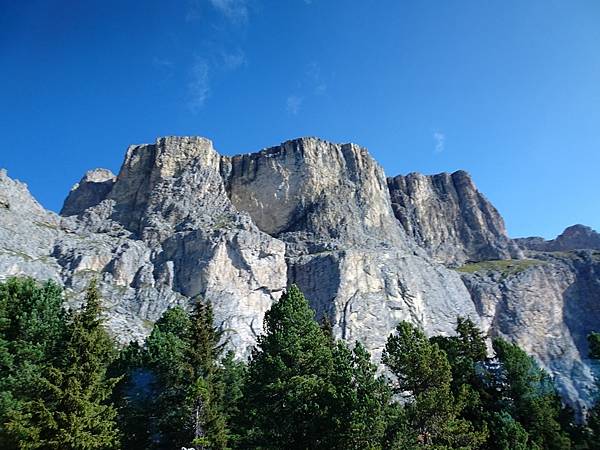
{"x":529,"y":395}
{"x":33,"y":329}
{"x":175,"y":382}
{"x":593,"y":417}
{"x":361,"y":399}
{"x":287,"y":395}
{"x":422,"y":371}
{"x":72,"y":410}
{"x":233,"y":376}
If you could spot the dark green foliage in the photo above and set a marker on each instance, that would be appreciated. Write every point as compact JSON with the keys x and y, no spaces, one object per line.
{"x":287,"y":396}
{"x":593,"y":417}
{"x":233,"y":375}
{"x":360,"y":401}
{"x":508,"y":434}
{"x":174,"y":384}
{"x":528,"y":394}
{"x":306,"y":391}
{"x":421,"y":370}
{"x":466,"y":352}
{"x":69,"y":408}
{"x":302,"y":388}
{"x":594,"y":343}
{"x":33,"y":328}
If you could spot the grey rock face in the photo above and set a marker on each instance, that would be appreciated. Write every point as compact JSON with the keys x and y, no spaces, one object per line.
{"x":181,"y":221}
{"x":548,"y":309}
{"x":330,"y":204}
{"x":91,"y":190}
{"x":575,"y":237}
{"x":446,"y":215}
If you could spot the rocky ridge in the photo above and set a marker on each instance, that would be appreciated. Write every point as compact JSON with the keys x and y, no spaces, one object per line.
{"x":575,"y":237}
{"x":447,"y":216}
{"x":181,"y":220}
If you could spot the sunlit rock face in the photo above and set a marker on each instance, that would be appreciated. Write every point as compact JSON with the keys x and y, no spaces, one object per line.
{"x":181,"y":221}
{"x":447,"y":216}
{"x":330,"y":205}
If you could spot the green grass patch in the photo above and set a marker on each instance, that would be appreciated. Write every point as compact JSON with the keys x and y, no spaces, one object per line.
{"x":504,"y":266}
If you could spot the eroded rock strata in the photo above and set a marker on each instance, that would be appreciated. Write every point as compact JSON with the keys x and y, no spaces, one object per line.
{"x":181,"y":220}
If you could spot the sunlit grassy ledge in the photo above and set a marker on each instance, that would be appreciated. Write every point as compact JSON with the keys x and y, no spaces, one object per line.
{"x":504,"y":266}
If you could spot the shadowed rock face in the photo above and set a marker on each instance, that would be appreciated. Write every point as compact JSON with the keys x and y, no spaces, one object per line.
{"x":549,"y":308}
{"x":575,"y":237}
{"x":447,"y":216}
{"x":181,"y":221}
{"x":91,"y":190}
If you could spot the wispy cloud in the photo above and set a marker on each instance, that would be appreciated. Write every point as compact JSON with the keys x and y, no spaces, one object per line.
{"x":199,"y":85}
{"x":293,"y":104}
{"x":219,"y":51}
{"x":314,"y":78}
{"x":233,"y":60}
{"x":440,"y":141}
{"x":234,"y":10}
{"x":162,"y":63}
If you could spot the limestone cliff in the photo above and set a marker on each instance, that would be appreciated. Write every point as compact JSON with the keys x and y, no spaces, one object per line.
{"x":575,"y":237}
{"x":446,"y":215}
{"x":548,"y":305}
{"x":180,"y":221}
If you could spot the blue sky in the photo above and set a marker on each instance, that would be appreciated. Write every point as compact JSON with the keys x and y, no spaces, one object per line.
{"x":508,"y":90}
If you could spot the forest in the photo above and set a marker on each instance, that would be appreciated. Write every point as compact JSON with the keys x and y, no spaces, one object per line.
{"x":65,"y":383}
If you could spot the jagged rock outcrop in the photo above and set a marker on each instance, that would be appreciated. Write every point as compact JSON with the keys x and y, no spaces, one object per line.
{"x":446,"y":215}
{"x":38,"y":243}
{"x":181,"y":221}
{"x":575,"y":237}
{"x":91,"y":190}
{"x":330,"y":204}
{"x":548,"y":307}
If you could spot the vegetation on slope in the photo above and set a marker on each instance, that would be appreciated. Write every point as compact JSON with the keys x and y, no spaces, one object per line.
{"x":64,"y":384}
{"x":506,"y":267}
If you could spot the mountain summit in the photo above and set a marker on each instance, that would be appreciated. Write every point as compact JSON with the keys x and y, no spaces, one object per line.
{"x":180,"y":220}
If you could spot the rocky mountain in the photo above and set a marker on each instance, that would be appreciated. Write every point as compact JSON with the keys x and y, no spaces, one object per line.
{"x":448,"y":217}
{"x":575,"y":237}
{"x":180,"y":221}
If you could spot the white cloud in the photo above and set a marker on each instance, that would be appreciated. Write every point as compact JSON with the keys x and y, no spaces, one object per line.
{"x":199,"y":85}
{"x":293,"y":104}
{"x":234,"y":10}
{"x":233,"y":60}
{"x":440,"y":141}
{"x":314,"y":77}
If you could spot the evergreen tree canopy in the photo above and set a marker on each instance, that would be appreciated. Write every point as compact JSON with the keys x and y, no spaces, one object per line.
{"x":421,"y":369}
{"x":70,"y":409}
{"x":528,"y":394}
{"x":175,"y":382}
{"x":287,"y":396}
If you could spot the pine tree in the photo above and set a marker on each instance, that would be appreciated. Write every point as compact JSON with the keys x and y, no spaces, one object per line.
{"x":175,"y":382}
{"x":361,"y":399}
{"x":529,"y":395}
{"x":593,"y":417}
{"x":287,"y":395}
{"x":233,"y":376}
{"x":33,"y":329}
{"x":421,"y":370}
{"x":78,"y":415}
{"x":72,"y":411}
{"x":206,"y":393}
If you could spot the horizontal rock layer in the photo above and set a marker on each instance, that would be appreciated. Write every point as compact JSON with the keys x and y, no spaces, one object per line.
{"x":447,"y":216}
{"x":180,"y":221}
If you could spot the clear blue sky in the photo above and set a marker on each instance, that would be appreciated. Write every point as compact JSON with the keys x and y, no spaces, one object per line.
{"x":508,"y":90}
